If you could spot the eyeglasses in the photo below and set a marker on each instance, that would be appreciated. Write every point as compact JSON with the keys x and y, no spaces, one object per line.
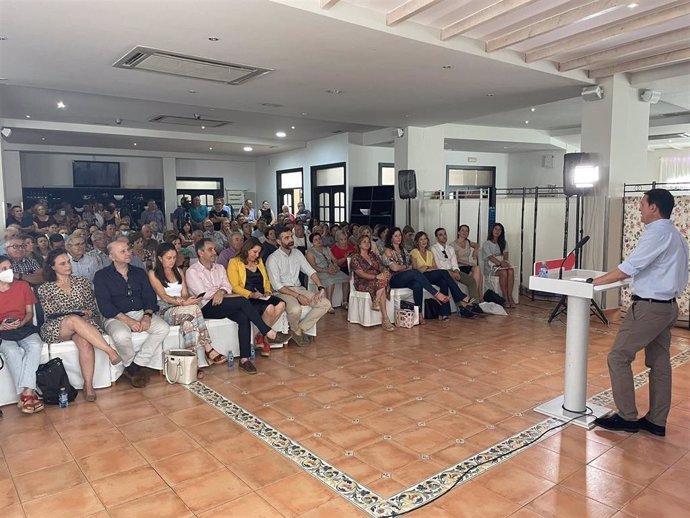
{"x":16,"y":246}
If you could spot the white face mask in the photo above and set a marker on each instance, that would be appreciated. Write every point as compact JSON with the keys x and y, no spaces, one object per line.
{"x":7,"y":276}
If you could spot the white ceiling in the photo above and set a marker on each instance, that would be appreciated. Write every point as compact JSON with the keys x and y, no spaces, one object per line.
{"x":65,"y":51}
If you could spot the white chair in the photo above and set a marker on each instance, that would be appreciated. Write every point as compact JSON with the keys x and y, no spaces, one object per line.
{"x":104,"y":373}
{"x":8,"y":390}
{"x":398,"y":294}
{"x":224,"y":337}
{"x":359,"y":308}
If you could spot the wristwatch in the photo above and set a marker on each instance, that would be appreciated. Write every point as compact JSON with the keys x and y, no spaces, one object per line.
{"x":148,"y":313}
{"x":321,"y":288}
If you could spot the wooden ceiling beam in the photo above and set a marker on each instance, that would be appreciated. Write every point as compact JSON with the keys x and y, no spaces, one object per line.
{"x":552,"y":21}
{"x":327,"y":4}
{"x":679,"y":36}
{"x":482,"y":16}
{"x":666,"y":58}
{"x":408,"y":10}
{"x":632,"y":23}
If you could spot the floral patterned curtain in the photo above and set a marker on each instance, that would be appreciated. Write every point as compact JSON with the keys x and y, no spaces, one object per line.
{"x":633,"y":228}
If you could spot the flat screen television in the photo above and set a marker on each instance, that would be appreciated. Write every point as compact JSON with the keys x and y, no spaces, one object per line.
{"x":96,"y":174}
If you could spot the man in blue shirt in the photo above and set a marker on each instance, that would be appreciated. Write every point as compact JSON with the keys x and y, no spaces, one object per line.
{"x":128,"y":303}
{"x":198,"y":212}
{"x":659,"y":270}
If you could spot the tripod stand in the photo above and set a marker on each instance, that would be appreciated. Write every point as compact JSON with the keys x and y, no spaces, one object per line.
{"x":562,"y":307}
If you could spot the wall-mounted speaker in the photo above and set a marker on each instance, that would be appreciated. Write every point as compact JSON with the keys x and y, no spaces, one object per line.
{"x":407,"y":184}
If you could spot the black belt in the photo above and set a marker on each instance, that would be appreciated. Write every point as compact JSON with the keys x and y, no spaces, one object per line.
{"x":637,"y":299}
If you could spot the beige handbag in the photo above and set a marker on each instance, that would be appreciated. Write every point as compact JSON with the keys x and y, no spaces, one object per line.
{"x":180,"y":366}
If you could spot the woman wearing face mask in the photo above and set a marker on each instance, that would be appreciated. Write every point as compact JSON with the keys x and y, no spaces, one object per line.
{"x":64,"y":293}
{"x":179,"y":308}
{"x":21,"y":345}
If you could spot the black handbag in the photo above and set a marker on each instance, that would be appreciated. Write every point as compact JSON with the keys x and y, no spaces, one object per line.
{"x":432,"y":309}
{"x":406,"y":304}
{"x":492,"y":296}
{"x":50,"y":378}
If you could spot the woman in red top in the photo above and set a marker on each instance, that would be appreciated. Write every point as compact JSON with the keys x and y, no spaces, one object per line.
{"x":21,"y":346}
{"x":341,"y":250}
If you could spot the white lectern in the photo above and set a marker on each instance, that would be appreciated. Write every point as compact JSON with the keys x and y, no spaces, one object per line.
{"x":573,"y":402}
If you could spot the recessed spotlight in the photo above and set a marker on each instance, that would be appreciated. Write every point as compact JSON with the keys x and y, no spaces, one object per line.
{"x":210,"y":148}
{"x":27,"y":116}
{"x":490,"y":95}
{"x":213,"y":38}
{"x":3,"y":38}
{"x":248,"y":148}
{"x":193,"y":91}
{"x":203,"y":127}
{"x":633,"y":5}
{"x":533,"y":109}
{"x":334,"y":91}
{"x":292,"y":127}
{"x":61,"y":105}
{"x":3,"y":79}
{"x":669,"y":141}
{"x":447,"y":67}
{"x":43,"y":138}
{"x":304,"y":114}
{"x":135,"y":143}
{"x":526,"y":122}
{"x":281,"y":134}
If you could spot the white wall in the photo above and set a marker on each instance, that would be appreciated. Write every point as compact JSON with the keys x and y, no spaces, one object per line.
{"x":236,"y":174}
{"x":527,"y":169}
{"x":55,"y":170}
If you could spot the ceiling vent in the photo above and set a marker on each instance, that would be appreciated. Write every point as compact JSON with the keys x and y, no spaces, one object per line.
{"x":190,"y":121}
{"x":669,"y":136}
{"x":171,"y":63}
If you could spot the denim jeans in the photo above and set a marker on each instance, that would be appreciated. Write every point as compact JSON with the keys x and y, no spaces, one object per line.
{"x":414,"y":280}
{"x":23,"y":358}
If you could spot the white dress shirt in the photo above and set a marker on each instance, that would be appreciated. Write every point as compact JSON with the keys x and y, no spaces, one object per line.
{"x":447,"y":260}
{"x":283,"y":269}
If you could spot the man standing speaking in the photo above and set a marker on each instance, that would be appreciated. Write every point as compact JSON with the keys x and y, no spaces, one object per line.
{"x":659,"y":270}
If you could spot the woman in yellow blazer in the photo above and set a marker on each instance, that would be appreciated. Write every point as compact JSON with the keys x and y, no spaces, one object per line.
{"x":248,"y":278}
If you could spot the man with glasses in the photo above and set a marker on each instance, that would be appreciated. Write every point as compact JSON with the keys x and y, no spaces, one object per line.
{"x":128,"y":303}
{"x":82,"y":265}
{"x":219,"y":213}
{"x":100,"y":249}
{"x":152,"y":214}
{"x":446,"y":259}
{"x":25,"y":268}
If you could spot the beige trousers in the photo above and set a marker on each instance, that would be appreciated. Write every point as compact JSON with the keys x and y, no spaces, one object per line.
{"x":294,"y":309}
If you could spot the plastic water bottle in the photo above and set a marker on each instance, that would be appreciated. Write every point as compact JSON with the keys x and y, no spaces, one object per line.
{"x":231,"y":360}
{"x":252,"y":353}
{"x":62,"y":398}
{"x":544,"y":270}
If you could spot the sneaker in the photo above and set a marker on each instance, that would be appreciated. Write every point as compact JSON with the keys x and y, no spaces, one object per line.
{"x":299,"y":340}
{"x":265,"y":350}
{"x":280,"y":338}
{"x":248,"y":367}
{"x":650,"y":427}
{"x":616,"y":423}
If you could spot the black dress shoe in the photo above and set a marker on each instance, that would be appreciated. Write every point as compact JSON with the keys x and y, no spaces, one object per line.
{"x":617,"y":424}
{"x":465,"y":312}
{"x":650,"y":427}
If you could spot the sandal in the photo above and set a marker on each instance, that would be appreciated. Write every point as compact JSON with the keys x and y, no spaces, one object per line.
{"x":26,"y":403}
{"x":387,"y":326}
{"x":91,"y":398}
{"x":199,"y":374}
{"x":216,"y":358}
{"x":441,"y":297}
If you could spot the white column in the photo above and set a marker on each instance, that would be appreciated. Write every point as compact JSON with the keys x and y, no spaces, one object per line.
{"x":11,"y":165}
{"x":616,"y":129}
{"x":169,"y":188}
{"x":420,"y":149}
{"x":3,"y":198}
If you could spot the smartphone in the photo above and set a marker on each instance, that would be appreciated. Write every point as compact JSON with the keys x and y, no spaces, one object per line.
{"x":10,"y":320}
{"x":200,"y":295}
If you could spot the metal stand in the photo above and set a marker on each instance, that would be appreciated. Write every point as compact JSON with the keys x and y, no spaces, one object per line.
{"x":562,"y":307}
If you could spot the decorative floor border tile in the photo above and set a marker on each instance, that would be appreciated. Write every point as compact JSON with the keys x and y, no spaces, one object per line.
{"x":419,"y":494}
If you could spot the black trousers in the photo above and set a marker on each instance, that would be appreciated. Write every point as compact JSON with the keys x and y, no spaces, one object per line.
{"x":238,"y":309}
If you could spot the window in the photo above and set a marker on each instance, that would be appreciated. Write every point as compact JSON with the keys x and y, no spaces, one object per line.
{"x":470,"y":178}
{"x":290,"y":190}
{"x":206,"y":188}
{"x":386,"y":174}
{"x":328,"y":192}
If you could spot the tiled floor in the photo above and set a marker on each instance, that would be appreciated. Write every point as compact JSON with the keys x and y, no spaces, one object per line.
{"x":388,"y":409}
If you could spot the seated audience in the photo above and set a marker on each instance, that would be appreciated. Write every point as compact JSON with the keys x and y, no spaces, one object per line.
{"x":31,"y":249}
{"x":249,"y":279}
{"x":382,"y":235}
{"x":100,"y":249}
{"x":198,"y":213}
{"x":301,"y":242}
{"x":136,"y":241}
{"x":42,"y":220}
{"x":321,"y":260}
{"x":179,"y":308}
{"x":128,"y":303}
{"x":56,"y":240}
{"x":287,"y":215}
{"x":214,"y":235}
{"x":64,"y":293}
{"x":270,"y":243}
{"x":341,"y":250}
{"x":260,"y":230}
{"x":220,"y":212}
{"x":408,"y":238}
{"x":446,"y":259}
{"x":403,"y":275}
{"x":284,"y":266}
{"x":233,"y":248}
{"x":218,"y":301}
{"x":20,"y":344}
{"x":82,"y":265}
{"x":10,"y":232}
{"x":156,"y":235}
{"x":181,"y":261}
{"x":354,"y":235}
{"x":303,"y":215}
{"x":248,"y":211}
{"x":24,"y":267}
{"x":423,"y":260}
{"x":266,"y":212}
{"x":226,"y":230}
{"x":495,"y":261}
{"x":247,"y":230}
{"x":186,"y":233}
{"x":466,"y":252}
{"x":22,"y":219}
{"x":370,"y":275}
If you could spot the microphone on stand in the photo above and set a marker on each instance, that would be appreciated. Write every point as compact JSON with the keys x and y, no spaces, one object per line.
{"x":579,"y":245}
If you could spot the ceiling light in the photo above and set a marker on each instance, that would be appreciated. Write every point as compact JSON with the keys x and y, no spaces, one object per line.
{"x":304,"y":114}
{"x":3,"y":38}
{"x":248,"y":148}
{"x":633,"y":5}
{"x":490,"y":95}
{"x":27,"y":116}
{"x":281,"y":134}
{"x":533,"y":109}
{"x":334,"y":91}
{"x":210,"y":148}
{"x":203,"y":127}
{"x":3,"y":79}
{"x":292,"y":127}
{"x":61,"y":105}
{"x":135,"y":143}
{"x":526,"y":122}
{"x":669,"y":141}
{"x":43,"y":138}
{"x":447,"y":67}
{"x":192,"y":91}
{"x":213,"y":38}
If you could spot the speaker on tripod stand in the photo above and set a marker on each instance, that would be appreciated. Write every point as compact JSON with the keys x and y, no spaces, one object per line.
{"x":407,"y":187}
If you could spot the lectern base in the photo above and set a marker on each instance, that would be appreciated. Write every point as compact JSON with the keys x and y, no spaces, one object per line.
{"x":554,"y":408}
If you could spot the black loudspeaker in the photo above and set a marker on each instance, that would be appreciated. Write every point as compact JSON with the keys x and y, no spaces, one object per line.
{"x":407,"y":184}
{"x":571,"y":161}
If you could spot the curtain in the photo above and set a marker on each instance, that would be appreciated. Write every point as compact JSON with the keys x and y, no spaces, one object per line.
{"x":674,"y":169}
